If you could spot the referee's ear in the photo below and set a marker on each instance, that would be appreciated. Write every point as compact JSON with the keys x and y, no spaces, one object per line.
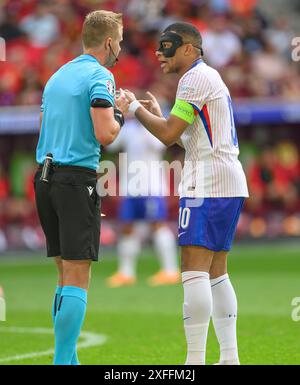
{"x":107,"y":42}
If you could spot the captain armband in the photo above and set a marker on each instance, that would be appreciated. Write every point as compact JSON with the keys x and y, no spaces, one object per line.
{"x":183,"y":110}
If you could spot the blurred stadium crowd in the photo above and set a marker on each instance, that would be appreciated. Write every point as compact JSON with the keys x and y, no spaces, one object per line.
{"x":251,"y":50}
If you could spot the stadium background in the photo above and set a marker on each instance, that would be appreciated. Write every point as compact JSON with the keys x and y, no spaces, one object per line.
{"x":250,"y":43}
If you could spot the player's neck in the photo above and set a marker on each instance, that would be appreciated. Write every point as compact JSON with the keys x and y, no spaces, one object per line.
{"x":186,"y":67}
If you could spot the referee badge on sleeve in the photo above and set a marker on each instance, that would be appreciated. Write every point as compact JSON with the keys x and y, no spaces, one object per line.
{"x":110,"y":87}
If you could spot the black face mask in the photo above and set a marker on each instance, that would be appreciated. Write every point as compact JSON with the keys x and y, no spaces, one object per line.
{"x":176,"y":40}
{"x":170,"y":37}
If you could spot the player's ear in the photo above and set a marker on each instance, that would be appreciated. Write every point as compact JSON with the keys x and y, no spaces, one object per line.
{"x":188,"y":49}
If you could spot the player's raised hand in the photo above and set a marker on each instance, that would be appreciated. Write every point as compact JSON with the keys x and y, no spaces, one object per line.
{"x":152,"y":105}
{"x":121,"y":101}
{"x":129,"y":96}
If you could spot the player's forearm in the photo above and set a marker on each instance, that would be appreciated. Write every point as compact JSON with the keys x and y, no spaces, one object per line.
{"x":158,"y":126}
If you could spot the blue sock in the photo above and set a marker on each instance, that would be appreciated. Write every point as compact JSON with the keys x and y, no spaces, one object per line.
{"x":56,"y":302}
{"x":75,"y":360}
{"x":68,"y":321}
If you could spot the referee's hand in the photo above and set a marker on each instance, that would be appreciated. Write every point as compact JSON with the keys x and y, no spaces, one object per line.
{"x":130,"y":96}
{"x":121,"y":101}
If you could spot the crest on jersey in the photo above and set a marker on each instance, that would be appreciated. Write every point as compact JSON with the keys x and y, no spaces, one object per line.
{"x":187,"y":89}
{"x":110,"y":87}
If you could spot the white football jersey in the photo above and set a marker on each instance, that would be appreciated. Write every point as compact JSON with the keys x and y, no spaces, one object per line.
{"x":211,"y":165}
{"x":142,"y":172}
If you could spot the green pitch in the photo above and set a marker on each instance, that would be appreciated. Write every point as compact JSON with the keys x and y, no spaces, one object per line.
{"x":142,"y":325}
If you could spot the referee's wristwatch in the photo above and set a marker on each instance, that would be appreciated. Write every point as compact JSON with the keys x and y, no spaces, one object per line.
{"x":119,"y":117}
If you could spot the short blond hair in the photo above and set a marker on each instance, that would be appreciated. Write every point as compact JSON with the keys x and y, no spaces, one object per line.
{"x":98,"y":25}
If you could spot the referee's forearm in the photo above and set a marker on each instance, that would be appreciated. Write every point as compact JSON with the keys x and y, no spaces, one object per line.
{"x":156,"y":125}
{"x":109,"y":135}
{"x":113,"y":133}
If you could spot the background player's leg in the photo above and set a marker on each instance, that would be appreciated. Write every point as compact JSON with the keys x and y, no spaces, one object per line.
{"x":128,"y":248}
{"x":197,"y":307}
{"x":224,"y":313}
{"x":71,"y":309}
{"x":166,"y":248}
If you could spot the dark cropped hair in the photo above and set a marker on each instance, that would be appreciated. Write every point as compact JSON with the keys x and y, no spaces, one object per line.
{"x":188,"y":32}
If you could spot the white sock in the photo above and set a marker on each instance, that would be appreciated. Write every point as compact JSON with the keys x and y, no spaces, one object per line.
{"x":165,"y":245}
{"x":128,"y":248}
{"x":3,"y":241}
{"x":197,"y":310}
{"x":224,"y":317}
{"x":2,"y":309}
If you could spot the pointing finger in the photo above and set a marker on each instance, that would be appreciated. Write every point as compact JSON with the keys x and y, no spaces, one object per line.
{"x":152,"y":97}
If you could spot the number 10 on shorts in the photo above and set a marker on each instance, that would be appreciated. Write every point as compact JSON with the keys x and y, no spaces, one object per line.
{"x":184,"y":217}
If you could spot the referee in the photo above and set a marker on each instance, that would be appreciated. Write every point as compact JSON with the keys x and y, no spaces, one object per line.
{"x":78,"y":115}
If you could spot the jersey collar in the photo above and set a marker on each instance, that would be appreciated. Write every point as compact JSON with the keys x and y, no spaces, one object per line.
{"x":196,"y":62}
{"x":90,"y":57}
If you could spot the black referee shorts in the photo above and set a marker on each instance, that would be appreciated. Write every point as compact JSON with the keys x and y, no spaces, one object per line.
{"x":69,"y":212}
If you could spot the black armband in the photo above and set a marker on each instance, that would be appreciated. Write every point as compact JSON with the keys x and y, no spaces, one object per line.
{"x":100,"y":103}
{"x":119,"y":117}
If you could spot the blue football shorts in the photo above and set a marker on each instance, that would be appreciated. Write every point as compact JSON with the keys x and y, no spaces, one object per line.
{"x":150,"y":208}
{"x":208,"y":222}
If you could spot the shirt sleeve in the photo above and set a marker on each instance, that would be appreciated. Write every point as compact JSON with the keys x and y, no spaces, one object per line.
{"x":102,"y":86}
{"x":194,"y":88}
